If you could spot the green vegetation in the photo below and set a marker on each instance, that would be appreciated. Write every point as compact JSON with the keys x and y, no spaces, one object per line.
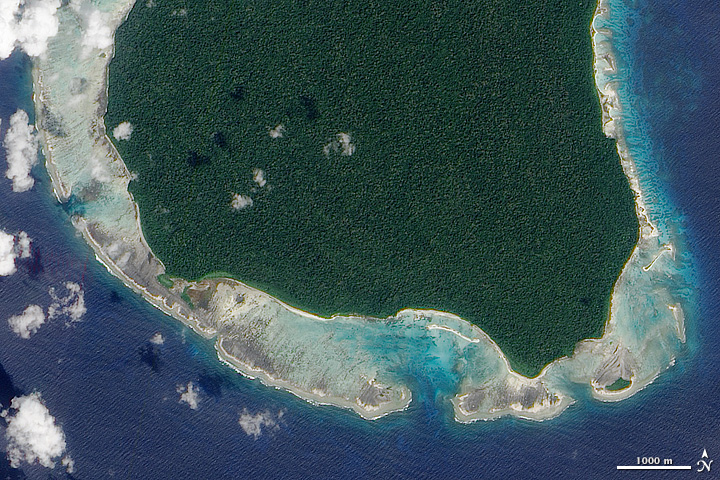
{"x":165,"y":281}
{"x":186,"y":298}
{"x":481,"y":182}
{"x":618,"y":384}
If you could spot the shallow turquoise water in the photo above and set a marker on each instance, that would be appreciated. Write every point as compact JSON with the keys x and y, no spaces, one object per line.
{"x":121,"y":415}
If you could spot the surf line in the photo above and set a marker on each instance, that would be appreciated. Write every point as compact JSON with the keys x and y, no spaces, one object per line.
{"x":448,"y":329}
{"x":666,"y":248}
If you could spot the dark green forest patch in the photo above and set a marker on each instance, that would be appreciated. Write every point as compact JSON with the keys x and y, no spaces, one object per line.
{"x":479,"y":180}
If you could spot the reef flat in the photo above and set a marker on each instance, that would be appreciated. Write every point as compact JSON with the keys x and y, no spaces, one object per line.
{"x":430,"y":156}
{"x":359,"y":362}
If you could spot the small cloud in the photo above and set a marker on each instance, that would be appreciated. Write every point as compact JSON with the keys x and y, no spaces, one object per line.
{"x":97,"y":33}
{"x":69,"y":464}
{"x":342,"y":144}
{"x":259,"y":177}
{"x":7,"y":254}
{"x":157,"y":339}
{"x":253,"y":424}
{"x":9,"y":251}
{"x":182,"y":12}
{"x":8,"y":22}
{"x":123,"y":131}
{"x":99,"y":172}
{"x":346,"y":145}
{"x":32,"y":435}
{"x":28,"y":28}
{"x":18,"y":247}
{"x":28,"y":322}
{"x":21,"y":149}
{"x":240,"y":202}
{"x":277,"y":132}
{"x":189,"y":394}
{"x":72,"y":305}
{"x":23,"y":245}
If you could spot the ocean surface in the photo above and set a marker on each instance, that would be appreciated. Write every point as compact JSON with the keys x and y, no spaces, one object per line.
{"x":115,"y":393}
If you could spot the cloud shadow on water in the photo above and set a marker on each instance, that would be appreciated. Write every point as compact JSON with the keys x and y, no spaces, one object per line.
{"x":150,"y":356}
{"x":212,"y":384}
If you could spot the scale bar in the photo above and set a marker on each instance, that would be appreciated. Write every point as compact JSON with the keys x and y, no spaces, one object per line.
{"x":654,"y":467}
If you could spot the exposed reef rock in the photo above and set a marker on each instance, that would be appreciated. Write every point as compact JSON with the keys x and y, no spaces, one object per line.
{"x":352,"y":362}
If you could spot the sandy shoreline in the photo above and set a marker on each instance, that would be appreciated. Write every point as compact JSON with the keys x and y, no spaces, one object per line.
{"x":605,"y":62}
{"x":510,"y":387}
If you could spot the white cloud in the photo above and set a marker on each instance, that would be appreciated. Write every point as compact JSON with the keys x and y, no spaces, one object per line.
{"x":99,"y":171}
{"x":32,"y":435}
{"x":157,"y":339}
{"x":341,"y":144}
{"x":8,"y":10}
{"x":123,"y":131}
{"x":27,"y":24}
{"x":97,"y":33}
{"x":254,"y":424}
{"x":72,"y":305}
{"x":346,"y":145}
{"x":38,"y":23}
{"x":69,"y":464}
{"x":7,"y":254}
{"x":21,"y":149}
{"x":241,"y":201}
{"x":23,"y":245}
{"x":10,"y":250}
{"x":189,"y":394}
{"x":28,"y":322}
{"x":277,"y":132}
{"x":259,"y":177}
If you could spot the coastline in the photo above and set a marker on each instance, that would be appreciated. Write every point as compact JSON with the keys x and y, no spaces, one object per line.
{"x":606,"y":63}
{"x":250,"y":319}
{"x":315,"y":398}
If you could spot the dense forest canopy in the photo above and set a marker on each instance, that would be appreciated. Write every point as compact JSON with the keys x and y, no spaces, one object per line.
{"x":364,"y":157}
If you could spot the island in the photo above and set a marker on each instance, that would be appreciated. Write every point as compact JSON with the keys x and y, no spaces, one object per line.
{"x":360,"y":355}
{"x":401,"y":162}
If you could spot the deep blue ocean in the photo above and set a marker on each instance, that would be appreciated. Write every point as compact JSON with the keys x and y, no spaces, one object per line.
{"x":115,"y":393}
